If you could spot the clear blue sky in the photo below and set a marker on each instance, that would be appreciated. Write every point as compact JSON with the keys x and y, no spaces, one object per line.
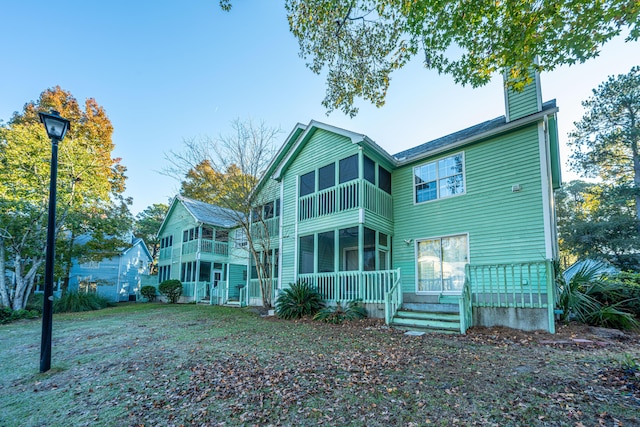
{"x":170,"y":70}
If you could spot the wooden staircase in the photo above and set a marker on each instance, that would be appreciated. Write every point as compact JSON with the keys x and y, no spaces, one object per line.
{"x":443,"y":318}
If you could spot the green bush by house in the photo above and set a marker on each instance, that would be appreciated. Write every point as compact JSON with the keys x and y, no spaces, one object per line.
{"x":171,"y":289}
{"x":149,"y":292}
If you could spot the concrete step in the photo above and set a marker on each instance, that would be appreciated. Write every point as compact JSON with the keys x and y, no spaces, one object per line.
{"x":431,"y":307}
{"x":428,"y":315}
{"x":446,"y":322}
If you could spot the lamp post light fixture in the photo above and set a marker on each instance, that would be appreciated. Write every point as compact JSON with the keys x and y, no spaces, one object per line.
{"x":56,"y":127}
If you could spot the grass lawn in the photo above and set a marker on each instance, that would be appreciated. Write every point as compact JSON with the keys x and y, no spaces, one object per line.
{"x":174,"y":365}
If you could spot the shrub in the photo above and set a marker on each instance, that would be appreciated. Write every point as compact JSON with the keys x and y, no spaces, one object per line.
{"x":35,"y":303}
{"x":149,"y":292}
{"x":299,"y":300}
{"x":339,"y":314}
{"x":8,"y":315}
{"x":5,"y":315}
{"x":72,"y":302}
{"x":588,"y":298}
{"x":171,"y":289}
{"x":627,"y":297}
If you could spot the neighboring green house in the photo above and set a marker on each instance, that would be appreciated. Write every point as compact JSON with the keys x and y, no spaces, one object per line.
{"x":456,"y":232}
{"x":200,"y":247}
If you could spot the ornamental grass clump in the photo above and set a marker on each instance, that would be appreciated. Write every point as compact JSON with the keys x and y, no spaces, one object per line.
{"x":73,"y":302}
{"x":338,"y":314}
{"x":171,"y":289}
{"x":299,"y":300}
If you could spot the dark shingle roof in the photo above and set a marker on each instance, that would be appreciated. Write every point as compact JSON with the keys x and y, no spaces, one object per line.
{"x":437,"y":144}
{"x":211,"y":214}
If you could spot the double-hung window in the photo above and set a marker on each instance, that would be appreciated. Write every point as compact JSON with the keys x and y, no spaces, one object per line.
{"x":439,"y":179}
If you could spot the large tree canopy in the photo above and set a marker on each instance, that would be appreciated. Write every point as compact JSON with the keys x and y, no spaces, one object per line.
{"x":359,"y":43}
{"x":89,"y":190}
{"x":597,"y":221}
{"x":606,"y":140}
{"x":147,"y":224}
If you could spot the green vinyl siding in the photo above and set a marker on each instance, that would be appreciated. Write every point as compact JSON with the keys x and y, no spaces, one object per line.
{"x":237,"y":276}
{"x":524,"y":102}
{"x":503,"y":226}
{"x":321,"y":148}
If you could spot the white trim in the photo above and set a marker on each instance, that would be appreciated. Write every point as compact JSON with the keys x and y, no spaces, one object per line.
{"x":295,"y":230}
{"x":280,"y":236}
{"x":464,"y":179}
{"x":356,"y":138}
{"x":545,"y":180}
{"x":536,"y":77}
{"x":505,"y":88}
{"x":415,"y":260}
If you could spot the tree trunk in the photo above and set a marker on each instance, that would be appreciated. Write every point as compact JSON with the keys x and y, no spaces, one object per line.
{"x":4,"y":286}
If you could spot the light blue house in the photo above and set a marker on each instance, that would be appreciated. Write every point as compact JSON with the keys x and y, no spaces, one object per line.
{"x":117,"y":278}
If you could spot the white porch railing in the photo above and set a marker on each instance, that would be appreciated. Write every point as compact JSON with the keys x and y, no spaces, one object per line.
{"x":349,"y":195}
{"x":393,"y":301}
{"x":363,"y":286}
{"x":255,"y":292}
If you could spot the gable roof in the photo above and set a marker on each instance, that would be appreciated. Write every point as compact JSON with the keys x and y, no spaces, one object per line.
{"x":472,"y":134}
{"x":138,"y":241}
{"x":204,"y":213}
{"x":83,"y":239}
{"x":301,"y":134}
{"x":293,"y":147}
{"x":211,"y":214}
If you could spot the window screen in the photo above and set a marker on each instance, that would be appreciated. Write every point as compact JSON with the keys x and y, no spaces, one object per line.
{"x":349,"y":168}
{"x":327,"y":176}
{"x":369,"y":170}
{"x":308,"y":183}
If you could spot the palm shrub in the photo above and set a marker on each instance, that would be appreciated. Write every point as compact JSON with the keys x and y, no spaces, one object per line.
{"x":149,"y":292}
{"x":628,"y":296}
{"x":299,"y":300}
{"x":586,"y":297}
{"x":338,"y":314}
{"x":171,"y":289}
{"x":72,"y":302}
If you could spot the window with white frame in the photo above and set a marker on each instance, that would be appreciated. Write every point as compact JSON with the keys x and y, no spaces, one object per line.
{"x":440,"y":264}
{"x":241,"y":238}
{"x":91,"y":265}
{"x":439,"y":179}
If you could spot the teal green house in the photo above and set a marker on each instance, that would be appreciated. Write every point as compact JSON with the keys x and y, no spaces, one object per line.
{"x":201,"y":246}
{"x":458,"y":231}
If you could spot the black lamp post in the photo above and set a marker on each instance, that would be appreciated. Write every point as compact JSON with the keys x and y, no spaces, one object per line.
{"x":56,"y":127}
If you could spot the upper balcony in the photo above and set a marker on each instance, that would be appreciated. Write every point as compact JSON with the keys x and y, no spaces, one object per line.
{"x":344,"y":197}
{"x":206,"y":246}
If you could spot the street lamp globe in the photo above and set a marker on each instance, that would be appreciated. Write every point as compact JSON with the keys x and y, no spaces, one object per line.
{"x":55,"y":125}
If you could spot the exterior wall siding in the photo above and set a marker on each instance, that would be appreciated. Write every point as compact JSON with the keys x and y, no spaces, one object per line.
{"x":503,"y":226}
{"x":116,"y":277}
{"x":525,"y":102}
{"x":323,"y":148}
